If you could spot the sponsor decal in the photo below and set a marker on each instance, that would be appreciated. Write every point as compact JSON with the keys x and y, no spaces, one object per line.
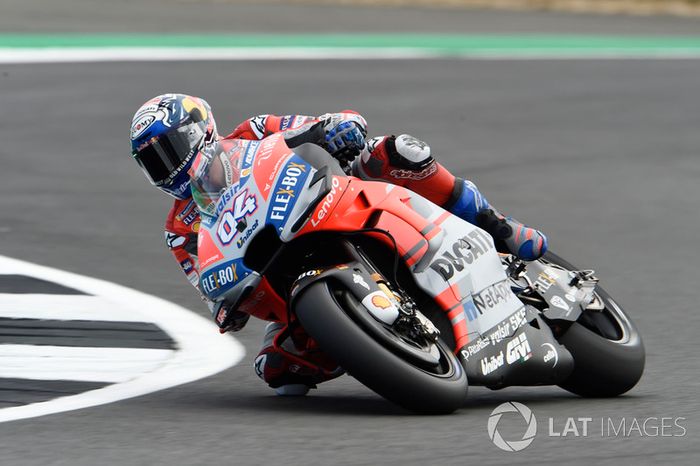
{"x":249,"y":154}
{"x":560,"y":303}
{"x":474,"y":348}
{"x":228,"y":167}
{"x":266,"y":169}
{"x":191,"y":217}
{"x":415,"y":175}
{"x":463,"y":252}
{"x":266,"y":148}
{"x":211,"y":259}
{"x":225,"y":197}
{"x":248,"y":234}
{"x":518,"y":349}
{"x":469,"y":308}
{"x":544,"y":281}
{"x":327,"y":203}
{"x":141,"y":124}
{"x":357,"y":278}
{"x":219,"y":279}
{"x":257,"y":124}
{"x":186,"y":212}
{"x":284,"y":197}
{"x":309,"y":273}
{"x":502,"y":331}
{"x":243,"y":205}
{"x":221,"y":315}
{"x":551,"y":354}
{"x":381,"y":302}
{"x":570,"y":297}
{"x":187,"y":266}
{"x":286,"y":122}
{"x":493,"y":296}
{"x":380,"y":307}
{"x":492,"y":363}
{"x":517,"y":320}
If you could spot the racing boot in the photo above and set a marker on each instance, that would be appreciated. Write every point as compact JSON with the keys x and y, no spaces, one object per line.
{"x":406,"y":161}
{"x":289,"y":369}
{"x":510,"y":236}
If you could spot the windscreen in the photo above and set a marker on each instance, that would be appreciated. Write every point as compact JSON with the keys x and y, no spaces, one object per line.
{"x":215,"y":169}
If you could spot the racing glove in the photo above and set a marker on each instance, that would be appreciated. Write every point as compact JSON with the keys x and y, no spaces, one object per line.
{"x":228,"y":319}
{"x":344,"y":136}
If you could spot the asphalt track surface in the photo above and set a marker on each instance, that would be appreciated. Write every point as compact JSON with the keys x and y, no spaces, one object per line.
{"x":602,"y":155}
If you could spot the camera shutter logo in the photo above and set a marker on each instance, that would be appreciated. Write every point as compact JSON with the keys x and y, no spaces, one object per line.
{"x":528,"y":436}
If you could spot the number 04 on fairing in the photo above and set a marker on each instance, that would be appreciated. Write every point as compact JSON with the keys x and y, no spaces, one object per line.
{"x":409,"y":299}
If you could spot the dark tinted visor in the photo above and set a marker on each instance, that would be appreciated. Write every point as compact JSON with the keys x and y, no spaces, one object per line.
{"x":164,"y":158}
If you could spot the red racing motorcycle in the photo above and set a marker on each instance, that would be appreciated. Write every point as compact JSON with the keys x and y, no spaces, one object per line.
{"x":409,"y":299}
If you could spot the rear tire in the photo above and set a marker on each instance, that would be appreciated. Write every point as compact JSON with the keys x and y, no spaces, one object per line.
{"x":327,"y":321}
{"x":608,"y":352}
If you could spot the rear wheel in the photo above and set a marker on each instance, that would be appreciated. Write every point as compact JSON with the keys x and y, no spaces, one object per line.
{"x":418,"y":378}
{"x":608,"y":351}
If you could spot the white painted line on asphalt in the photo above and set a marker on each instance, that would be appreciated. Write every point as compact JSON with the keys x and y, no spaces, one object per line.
{"x":113,"y":365}
{"x":66,"y":307}
{"x":154,"y":54}
{"x":105,"y":54}
{"x":201,"y":350}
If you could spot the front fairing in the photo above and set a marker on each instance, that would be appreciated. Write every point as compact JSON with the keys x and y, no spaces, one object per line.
{"x":271,"y":188}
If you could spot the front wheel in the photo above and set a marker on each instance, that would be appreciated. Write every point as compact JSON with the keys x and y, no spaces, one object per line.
{"x":326,"y":313}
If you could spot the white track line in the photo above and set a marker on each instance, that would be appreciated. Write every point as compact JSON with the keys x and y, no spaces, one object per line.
{"x":152,"y":54}
{"x":201,"y":350}
{"x":113,"y":365}
{"x":66,"y":307}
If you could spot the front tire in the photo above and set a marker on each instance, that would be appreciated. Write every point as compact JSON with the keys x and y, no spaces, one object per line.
{"x":608,"y":352}
{"x":395,"y":378}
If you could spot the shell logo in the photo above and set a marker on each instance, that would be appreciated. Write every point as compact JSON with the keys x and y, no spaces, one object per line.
{"x":381,"y":301}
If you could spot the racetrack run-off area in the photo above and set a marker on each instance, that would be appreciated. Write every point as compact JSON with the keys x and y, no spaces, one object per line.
{"x":69,"y":342}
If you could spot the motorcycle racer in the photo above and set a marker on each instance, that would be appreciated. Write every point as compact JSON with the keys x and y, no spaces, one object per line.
{"x":169,"y":131}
